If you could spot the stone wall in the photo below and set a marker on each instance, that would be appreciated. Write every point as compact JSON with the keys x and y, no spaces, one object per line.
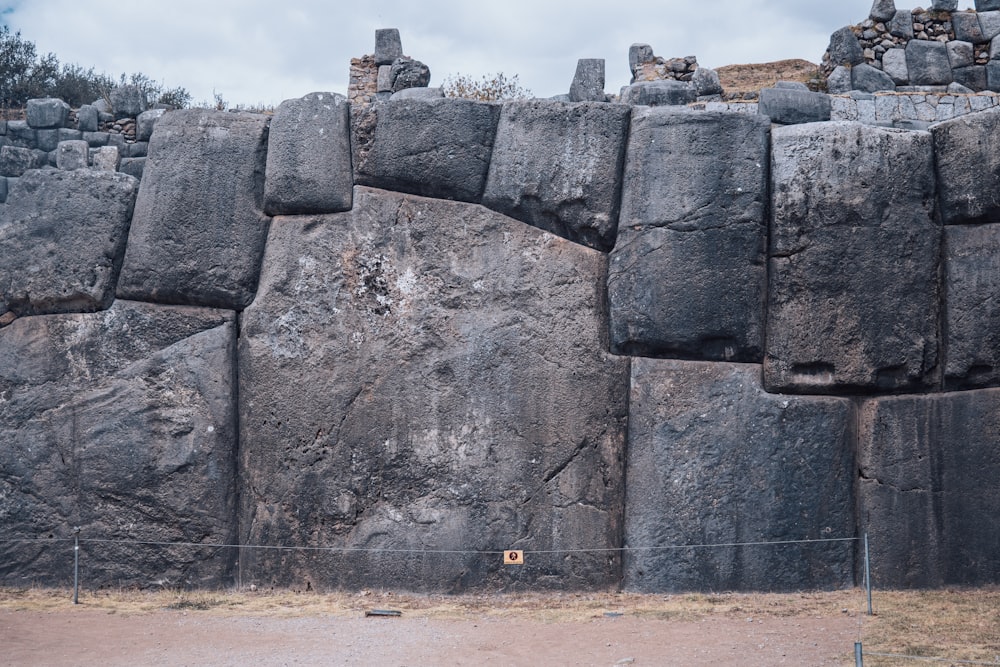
{"x":591,"y":331}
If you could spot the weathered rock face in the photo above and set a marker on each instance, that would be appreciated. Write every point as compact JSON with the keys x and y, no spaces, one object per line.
{"x":687,"y":276}
{"x":309,"y":157}
{"x":968,"y":167}
{"x":452,"y":393}
{"x":790,"y":106}
{"x":853,"y":285}
{"x":198,"y":232}
{"x":555,"y":166}
{"x":972,"y":314}
{"x":928,"y":488}
{"x":660,"y":93}
{"x":435,"y":147}
{"x":62,"y":235}
{"x":729,"y":463}
{"x":588,"y":82}
{"x":123,"y":423}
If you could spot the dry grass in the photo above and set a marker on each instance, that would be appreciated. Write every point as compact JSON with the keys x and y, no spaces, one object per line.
{"x":954,"y":624}
{"x":741,"y":79}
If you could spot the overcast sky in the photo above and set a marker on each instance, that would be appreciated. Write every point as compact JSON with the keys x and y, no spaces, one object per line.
{"x":262,"y":51}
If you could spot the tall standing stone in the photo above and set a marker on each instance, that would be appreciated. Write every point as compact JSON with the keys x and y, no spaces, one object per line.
{"x":714,"y":459}
{"x":883,"y":10}
{"x":845,"y":49}
{"x":687,"y":275}
{"x":198,"y":233}
{"x":388,"y":46}
{"x":588,"y":82}
{"x":836,"y":233}
{"x":418,"y":374}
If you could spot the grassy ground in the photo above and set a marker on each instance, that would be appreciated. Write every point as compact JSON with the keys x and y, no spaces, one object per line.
{"x":950,"y":624}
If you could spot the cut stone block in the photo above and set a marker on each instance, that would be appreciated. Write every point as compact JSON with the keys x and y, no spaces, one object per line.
{"x":588,"y":82}
{"x":46,"y":113}
{"x":145,"y":123}
{"x":106,"y":158}
{"x":713,"y":459}
{"x":87,"y":119}
{"x":790,"y":106}
{"x":967,"y":149}
{"x":72,"y":155}
{"x":660,"y":93}
{"x":967,"y":28}
{"x":403,"y":386}
{"x":845,"y":49}
{"x":309,"y":156}
{"x":927,"y":63}
{"x":894,"y":64}
{"x":687,"y":276}
{"x":836,"y":234}
{"x":388,"y":46}
{"x":16,"y":161}
{"x":870,"y":80}
{"x":557,"y":166}
{"x":198,"y":233}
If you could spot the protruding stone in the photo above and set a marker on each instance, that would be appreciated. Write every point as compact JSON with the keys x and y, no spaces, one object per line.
{"x":927,"y":63}
{"x":894,"y":65}
{"x":384,"y":82}
{"x":790,"y":107}
{"x":839,"y":80}
{"x":63,"y":234}
{"x":883,"y":10}
{"x":87,"y":118}
{"x":845,"y":49}
{"x":127,"y":102}
{"x":867,"y":79}
{"x":122,"y":423}
{"x":987,"y":5}
{"x":927,"y":493}
{"x":418,"y":94}
{"x":974,"y":78}
{"x":198,"y":234}
{"x":944,"y":5}
{"x":401,"y":388}
{"x":388,"y":46}
{"x":409,"y":73}
{"x":16,"y":161}
{"x":902,"y":24}
{"x":639,"y":54}
{"x":145,"y":123}
{"x":967,"y":28}
{"x":436,"y":148}
{"x":961,"y":54}
{"x":106,"y":158}
{"x":660,"y":93}
{"x":711,"y":450}
{"x":693,"y":208}
{"x":46,"y":113}
{"x":588,"y":82}
{"x":835,"y":234}
{"x":309,"y":156}
{"x":72,"y":155}
{"x":557,"y":166}
{"x":706,"y":81}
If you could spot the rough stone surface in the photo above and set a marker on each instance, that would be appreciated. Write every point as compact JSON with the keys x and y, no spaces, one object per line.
{"x":927,"y":493}
{"x":127,"y":102}
{"x":839,"y":80}
{"x":989,"y":24}
{"x":973,"y":77}
{"x":87,"y":118}
{"x":961,"y":54}
{"x":993,"y":74}
{"x":309,"y":156}
{"x":436,"y":148}
{"x":789,"y":106}
{"x":588,"y":82}
{"x":72,"y":155}
{"x":422,"y":374}
{"x":123,"y":423}
{"x":967,"y":28}
{"x":987,"y":5}
{"x":639,"y":54}
{"x":133,"y":166}
{"x":687,"y":275}
{"x":706,"y":81}
{"x":557,"y":166}
{"x":20,"y":135}
{"x":106,"y":158}
{"x":714,"y":459}
{"x":46,"y":140}
{"x":927,"y":63}
{"x":944,"y":5}
{"x":388,"y":46}
{"x":845,"y":49}
{"x":835,"y":234}
{"x":16,"y":161}
{"x":418,"y":94}
{"x":902,"y":24}
{"x":198,"y":233}
{"x":145,"y":123}
{"x":894,"y":65}
{"x":660,"y":93}
{"x":62,"y":236}
{"x":409,"y":73}
{"x":883,"y":10}
{"x":46,"y":113}
{"x":972,"y":314}
{"x":870,"y":80}
{"x":967,"y":150}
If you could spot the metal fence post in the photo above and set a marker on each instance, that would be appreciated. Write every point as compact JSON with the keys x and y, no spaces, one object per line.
{"x":76,"y":565}
{"x":868,"y":576}
{"x":859,"y":659}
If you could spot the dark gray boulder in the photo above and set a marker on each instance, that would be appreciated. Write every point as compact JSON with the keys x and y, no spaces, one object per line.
{"x":418,"y":94}
{"x":46,"y":140}
{"x":87,"y":118}
{"x":20,"y":135}
{"x":883,"y":10}
{"x":839,"y":80}
{"x":309,"y":156}
{"x":944,"y":5}
{"x":993,"y":75}
{"x":639,"y":54}
{"x":927,"y":63}
{"x":973,"y":78}
{"x":989,"y":24}
{"x":895,"y":67}
{"x":867,"y":79}
{"x":16,"y":161}
{"x":72,"y":155}
{"x":557,"y":166}
{"x":133,"y":166}
{"x":901,"y":24}
{"x":127,"y":101}
{"x":660,"y":93}
{"x":409,"y":73}
{"x":960,"y":54}
{"x":388,"y":46}
{"x":927,"y":493}
{"x":687,"y":275}
{"x":46,"y":113}
{"x":145,"y":123}
{"x":588,"y":81}
{"x":706,"y":81}
{"x":967,"y":151}
{"x":789,"y":106}
{"x":714,"y":459}
{"x":845,"y":49}
{"x":122,"y":423}
{"x":967,"y":28}
{"x":853,"y":288}
{"x":436,"y":148}
{"x":425,"y":375}
{"x":971,"y":311}
{"x":62,"y":236}
{"x":987,"y":5}
{"x":198,"y":233}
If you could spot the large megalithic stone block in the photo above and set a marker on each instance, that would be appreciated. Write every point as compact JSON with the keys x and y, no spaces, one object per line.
{"x":968,"y":167}
{"x":432,"y":147}
{"x":713,"y":459}
{"x":309,"y":156}
{"x":557,"y":166}
{"x":853,"y":282}
{"x":972,"y":311}
{"x":62,"y":240}
{"x":929,"y":467}
{"x":123,"y":423}
{"x":198,"y":231}
{"x":426,"y":375}
{"x":687,"y":276}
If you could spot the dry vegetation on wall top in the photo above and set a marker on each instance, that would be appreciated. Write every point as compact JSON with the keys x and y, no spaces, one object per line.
{"x":750,"y":78}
